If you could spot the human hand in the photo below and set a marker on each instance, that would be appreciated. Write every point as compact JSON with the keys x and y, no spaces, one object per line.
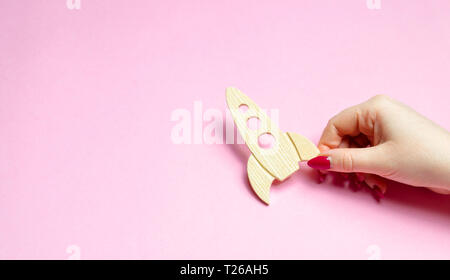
{"x":383,"y":138}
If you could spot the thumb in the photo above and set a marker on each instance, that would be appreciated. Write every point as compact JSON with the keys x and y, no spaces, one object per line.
{"x":365,"y":160}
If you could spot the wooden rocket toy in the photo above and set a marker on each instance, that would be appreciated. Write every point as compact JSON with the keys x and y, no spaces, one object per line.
{"x":267,"y":164}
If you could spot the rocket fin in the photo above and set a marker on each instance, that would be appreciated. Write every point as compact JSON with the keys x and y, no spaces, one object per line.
{"x":305,"y":148}
{"x":259,"y":178}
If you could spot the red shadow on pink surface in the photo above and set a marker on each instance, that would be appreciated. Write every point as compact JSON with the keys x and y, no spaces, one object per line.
{"x":421,"y":199}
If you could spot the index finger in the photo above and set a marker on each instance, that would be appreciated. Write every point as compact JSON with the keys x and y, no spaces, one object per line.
{"x":350,"y":122}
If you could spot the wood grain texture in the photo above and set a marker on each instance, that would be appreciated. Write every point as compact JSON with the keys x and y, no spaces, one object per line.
{"x":279,"y":161}
{"x":305,"y":148}
{"x":282,"y":159}
{"x":259,"y":178}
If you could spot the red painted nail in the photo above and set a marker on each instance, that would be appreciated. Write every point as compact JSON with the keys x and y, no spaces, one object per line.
{"x":360,"y":177}
{"x":377,"y":193}
{"x":320,"y":162}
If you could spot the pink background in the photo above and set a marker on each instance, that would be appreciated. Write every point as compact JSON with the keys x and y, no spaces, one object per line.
{"x":86,"y":97}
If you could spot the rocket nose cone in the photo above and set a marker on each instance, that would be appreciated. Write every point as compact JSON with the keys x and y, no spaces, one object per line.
{"x":230,"y":92}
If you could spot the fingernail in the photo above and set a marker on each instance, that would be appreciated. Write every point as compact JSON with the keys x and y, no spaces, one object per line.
{"x":360,"y":177}
{"x":323,"y":148}
{"x":381,"y":189}
{"x":378,"y":193}
{"x":320,"y":162}
{"x":378,"y":189}
{"x":358,"y":185}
